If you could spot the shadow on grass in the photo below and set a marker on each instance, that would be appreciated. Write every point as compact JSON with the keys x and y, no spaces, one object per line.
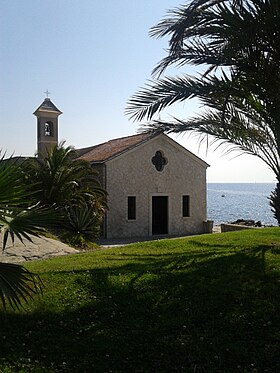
{"x":196,"y":312}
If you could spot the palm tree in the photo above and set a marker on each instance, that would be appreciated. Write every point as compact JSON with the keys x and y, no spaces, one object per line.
{"x":65,"y":182}
{"x":236,"y":45}
{"x":62,"y":178}
{"x":18,"y":218}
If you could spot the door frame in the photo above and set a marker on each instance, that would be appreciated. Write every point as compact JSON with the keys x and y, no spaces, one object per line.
{"x":151,"y":212}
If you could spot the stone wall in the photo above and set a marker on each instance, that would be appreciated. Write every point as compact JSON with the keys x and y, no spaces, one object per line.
{"x":234,"y":227}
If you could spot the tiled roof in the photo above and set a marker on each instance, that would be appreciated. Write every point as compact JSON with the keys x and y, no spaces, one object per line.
{"x":104,"y":152}
{"x":47,"y":105}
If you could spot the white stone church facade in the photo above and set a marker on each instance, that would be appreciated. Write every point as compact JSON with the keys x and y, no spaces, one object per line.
{"x":155,"y":186}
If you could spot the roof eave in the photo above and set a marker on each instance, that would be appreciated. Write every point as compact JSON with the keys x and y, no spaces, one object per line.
{"x":121,"y":152}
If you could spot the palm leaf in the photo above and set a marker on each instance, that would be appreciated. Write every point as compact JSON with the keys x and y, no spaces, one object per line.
{"x":232,"y":131}
{"x":199,"y":23}
{"x":157,"y":95}
{"x":62,"y":177}
{"x":17,"y":285}
{"x":11,"y":180}
{"x":28,"y":222}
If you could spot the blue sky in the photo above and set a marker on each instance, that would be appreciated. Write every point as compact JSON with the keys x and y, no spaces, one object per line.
{"x":92,"y":55}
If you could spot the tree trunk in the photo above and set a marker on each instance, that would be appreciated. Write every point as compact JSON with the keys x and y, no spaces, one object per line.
{"x":275,"y":201}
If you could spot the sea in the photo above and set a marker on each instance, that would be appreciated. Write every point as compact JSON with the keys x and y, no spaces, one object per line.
{"x":228,"y":202}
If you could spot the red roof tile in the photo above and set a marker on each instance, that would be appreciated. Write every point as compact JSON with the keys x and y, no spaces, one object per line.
{"x":104,"y":152}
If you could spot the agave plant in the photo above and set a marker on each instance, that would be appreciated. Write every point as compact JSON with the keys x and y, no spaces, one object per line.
{"x":82,"y":224}
{"x":18,"y":219}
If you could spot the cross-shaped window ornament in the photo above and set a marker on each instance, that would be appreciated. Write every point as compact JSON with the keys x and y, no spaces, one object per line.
{"x":159,"y":161}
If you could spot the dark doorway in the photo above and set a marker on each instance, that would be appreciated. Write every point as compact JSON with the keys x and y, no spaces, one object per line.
{"x":160,"y":215}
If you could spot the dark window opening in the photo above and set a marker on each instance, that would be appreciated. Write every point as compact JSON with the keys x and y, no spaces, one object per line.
{"x":48,"y":129}
{"x":186,"y":206}
{"x":131,"y":208}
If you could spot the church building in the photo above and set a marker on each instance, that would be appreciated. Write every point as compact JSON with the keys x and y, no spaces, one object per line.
{"x":155,"y":186}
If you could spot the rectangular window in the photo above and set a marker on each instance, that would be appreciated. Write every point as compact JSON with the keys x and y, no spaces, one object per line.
{"x":186,"y":206}
{"x":131,"y":208}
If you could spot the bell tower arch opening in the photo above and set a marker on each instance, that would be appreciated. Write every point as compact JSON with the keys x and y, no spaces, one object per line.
{"x":49,"y":129}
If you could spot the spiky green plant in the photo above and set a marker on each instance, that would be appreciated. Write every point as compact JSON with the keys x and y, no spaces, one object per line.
{"x":82,"y":225}
{"x":65,"y":182}
{"x":18,"y":218}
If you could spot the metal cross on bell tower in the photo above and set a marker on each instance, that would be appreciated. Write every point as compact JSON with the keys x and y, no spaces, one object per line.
{"x":47,"y":93}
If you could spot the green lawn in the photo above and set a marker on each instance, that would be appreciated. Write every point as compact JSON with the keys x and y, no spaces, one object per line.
{"x":207,"y":303}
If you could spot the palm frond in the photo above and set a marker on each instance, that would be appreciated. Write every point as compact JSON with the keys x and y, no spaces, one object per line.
{"x":62,"y":177}
{"x":12,"y":192}
{"x":28,"y":222}
{"x":157,"y":95}
{"x":17,"y":285}
{"x":198,"y":28}
{"x":233,"y":132}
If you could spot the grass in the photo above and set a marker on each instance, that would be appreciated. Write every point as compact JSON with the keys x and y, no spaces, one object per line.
{"x":200,"y":304}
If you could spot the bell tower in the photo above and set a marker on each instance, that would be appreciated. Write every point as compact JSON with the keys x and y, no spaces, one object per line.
{"x":47,"y":126}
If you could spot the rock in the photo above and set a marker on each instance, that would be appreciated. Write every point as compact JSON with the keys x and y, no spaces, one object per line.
{"x":247,"y":223}
{"x":40,"y":248}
